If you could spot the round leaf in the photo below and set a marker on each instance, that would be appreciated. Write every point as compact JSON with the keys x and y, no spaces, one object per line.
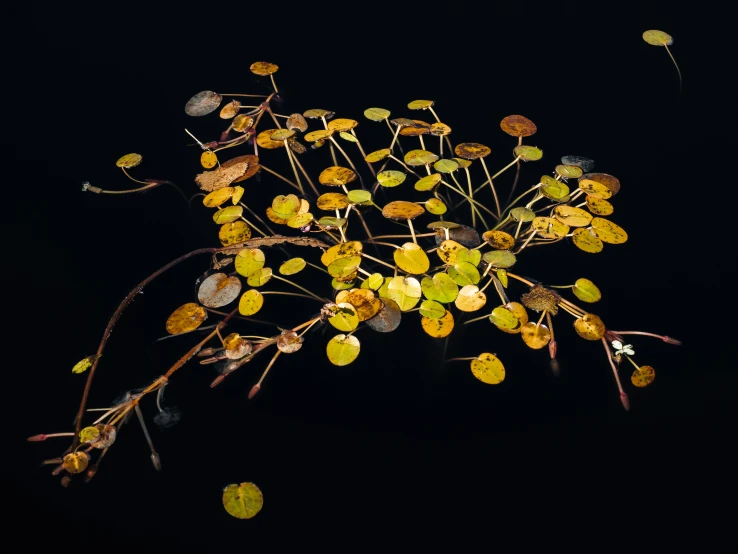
{"x":643,"y":376}
{"x":243,"y":501}
{"x":336,"y":175}
{"x":420,"y":157}
{"x":203,"y":103}
{"x":411,"y":258}
{"x":228,"y":214}
{"x":187,"y":317}
{"x":345,"y":317}
{"x":586,"y":291}
{"x":400,"y":209}
{"x":428,"y":182}
{"x":219,"y":290}
{"x":251,"y":302}
{"x":585,"y":240}
{"x":500,"y":258}
{"x":260,"y":277}
{"x":438,"y":327}
{"x":432,"y":309}
{"x":470,"y":299}
{"x":528,"y":153}
{"x":129,"y":160}
{"x":518,"y":126}
{"x":571,"y":216}
{"x":488,"y":369}
{"x":390,"y":178}
{"x":472,"y":150}
{"x":589,"y":327}
{"x":263,"y":68}
{"x":343,"y":349}
{"x":535,"y":336}
{"x":249,"y":261}
{"x":657,"y":38}
{"x":435,"y":206}
{"x":292,"y":266}
{"x":376,"y":114}
{"x":608,"y":232}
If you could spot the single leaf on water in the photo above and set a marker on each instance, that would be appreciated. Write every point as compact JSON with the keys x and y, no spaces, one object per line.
{"x":342,"y":124}
{"x":488,"y":369}
{"x":504,"y":319}
{"x":448,"y":251}
{"x":187,"y":317}
{"x":446,"y":166}
{"x":405,"y":291}
{"x":643,"y":376}
{"x":586,"y":291}
{"x":343,"y":349}
{"x":332,"y":201}
{"x":292,"y":266}
{"x":219,"y":290}
{"x":260,"y":277}
{"x":518,"y":126}
{"x":228,"y":214}
{"x":249,"y":260}
{"x":129,"y":160}
{"x":203,"y":103}
{"x":76,"y":462}
{"x":499,"y":240}
{"x":435,"y":206}
{"x":263,"y":68}
{"x":528,"y":153}
{"x":589,"y":327}
{"x":472,"y":150}
{"x":391,"y":178}
{"x":84,"y":364}
{"x":432,"y":309}
{"x":440,"y":288}
{"x":218,"y":197}
{"x":599,"y":206}
{"x":419,"y":157}
{"x":585,"y":240}
{"x":335,"y":176}
{"x":420,"y":104}
{"x":535,"y":337}
{"x":521,"y":213}
{"x":471,"y":256}
{"x":571,"y":216}
{"x":464,"y":273}
{"x":412,"y":259}
{"x":500,"y":258}
{"x":400,"y":209}
{"x":360,"y":197}
{"x":438,"y":328}
{"x":608,"y":232}
{"x":251,"y":302}
{"x":376,"y":114}
{"x":243,"y":501}
{"x":550,"y":228}
{"x":470,"y":299}
{"x":657,"y":38}
{"x":208,"y":159}
{"x":569,"y":171}
{"x":345,"y":317}
{"x":89,"y":434}
{"x":349,"y":248}
{"x":428,"y":182}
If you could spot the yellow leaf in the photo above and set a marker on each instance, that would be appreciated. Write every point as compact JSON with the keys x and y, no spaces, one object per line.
{"x":411,"y":258}
{"x":585,"y":240}
{"x":251,"y":302}
{"x":345,"y":317}
{"x":218,"y":197}
{"x":263,"y":68}
{"x":438,"y":327}
{"x":643,"y":376}
{"x":488,"y":369}
{"x":336,"y":176}
{"x":208,"y":159}
{"x":292,"y":266}
{"x":535,"y":336}
{"x":129,"y":160}
{"x":249,"y":260}
{"x":589,"y":327}
{"x":84,"y":364}
{"x":187,"y":317}
{"x":243,"y":501}
{"x":350,"y":248}
{"x":470,"y":299}
{"x":228,"y":214}
{"x":342,"y":349}
{"x":234,"y":233}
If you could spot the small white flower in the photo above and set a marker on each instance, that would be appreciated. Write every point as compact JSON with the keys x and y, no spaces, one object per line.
{"x":626,"y":349}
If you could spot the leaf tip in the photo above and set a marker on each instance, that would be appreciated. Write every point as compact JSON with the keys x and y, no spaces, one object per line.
{"x":253,"y":391}
{"x":37,"y":438}
{"x":625,"y":401}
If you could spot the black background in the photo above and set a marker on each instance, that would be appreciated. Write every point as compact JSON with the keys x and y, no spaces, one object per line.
{"x":391,"y":449}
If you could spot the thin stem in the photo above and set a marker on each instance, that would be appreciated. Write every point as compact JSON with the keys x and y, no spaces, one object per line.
{"x":291,"y":294}
{"x":299,"y":287}
{"x":412,"y":230}
{"x":252,"y":212}
{"x":356,"y":171}
{"x":675,"y":65}
{"x":293,"y":185}
{"x":662,"y":337}
{"x":400,"y":237}
{"x":623,"y":396}
{"x":492,"y":186}
{"x":249,"y":95}
{"x":480,"y":318}
{"x":154,"y":454}
{"x":294,"y":169}
{"x":307,"y":177}
{"x":365,"y":255}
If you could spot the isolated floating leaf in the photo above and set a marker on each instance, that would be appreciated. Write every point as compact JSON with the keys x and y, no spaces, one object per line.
{"x":243,"y":501}
{"x":228,"y":214}
{"x":528,"y":153}
{"x":319,"y":135}
{"x":589,"y":327}
{"x":249,"y":261}
{"x":332,"y":201}
{"x":499,"y":239}
{"x":472,"y":150}
{"x":89,"y":434}
{"x":218,"y":197}
{"x":470,"y":299}
{"x":378,"y":155}
{"x":260,"y":277}
{"x":420,"y":104}
{"x":553,"y":189}
{"x":343,"y":349}
{"x":643,"y":376}
{"x":84,"y":364}
{"x":569,"y":171}
{"x":251,"y":302}
{"x":411,"y":258}
{"x":400,"y":209}
{"x":242,"y":123}
{"x":345,"y":317}
{"x":435,"y":206}
{"x":550,"y":228}
{"x":420,"y":157}
{"x":76,"y":462}
{"x":599,"y":206}
{"x":500,"y":258}
{"x":440,"y":288}
{"x":129,"y":160}
{"x":438,"y":328}
{"x":571,"y":216}
{"x":208,"y":159}
{"x":535,"y":337}
{"x":657,"y":38}
{"x":203,"y":103}
{"x":219,"y":290}
{"x":586,"y":291}
{"x":317,"y":113}
{"x":428,"y":182}
{"x":391,"y":178}
{"x":222,"y":176}
{"x":187,"y":317}
{"x":349,"y":248}
{"x":336,"y":176}
{"x":292,"y":266}
{"x":360,"y":197}
{"x":432,"y":309}
{"x":523,"y":214}
{"x":446,"y":166}
{"x":263,"y":68}
{"x":488,"y":369}
{"x":518,"y":126}
{"x":608,"y":232}
{"x":585,"y":240}
{"x":376,"y":114}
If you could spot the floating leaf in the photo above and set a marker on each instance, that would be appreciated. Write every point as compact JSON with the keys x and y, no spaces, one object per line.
{"x":586,"y":291}
{"x":470,"y":299}
{"x":518,"y":126}
{"x":440,"y":129}
{"x":84,"y":364}
{"x":230,"y":110}
{"x":286,"y":206}
{"x":129,"y":160}
{"x":343,"y":267}
{"x":435,"y":206}
{"x":282,"y":134}
{"x":388,"y":318}
{"x":550,"y":228}
{"x":378,"y":155}
{"x":251,"y":302}
{"x":342,"y":124}
{"x":343,"y":349}
{"x":585,"y":240}
{"x":300,"y":220}
{"x":464,"y":273}
{"x":373,"y":282}
{"x":463,"y":164}
{"x":289,"y":342}
{"x":440,"y":288}
{"x":390,"y":178}
{"x":260,"y":277}
{"x":471,"y":256}
{"x":365,"y":301}
{"x":350,"y":248}
{"x":89,"y":434}
{"x":488,"y":369}
{"x":336,"y":176}
{"x":187,"y":317}
{"x":348,"y":136}
{"x":569,"y":171}
{"x":608,"y":232}
{"x":599,"y":206}
{"x":218,"y":197}
{"x":203,"y":103}
{"x":316,"y":113}
{"x":448,"y":251}
{"x":500,"y":258}
{"x":319,"y":135}
{"x":535,"y":336}
{"x":571,"y":216}
{"x":400,"y":209}
{"x":419,"y":157}
{"x":553,"y":189}
{"x":420,"y":104}
{"x":612,"y":183}
{"x":589,"y":327}
{"x":360,"y":197}
{"x":658,"y":38}
{"x":228,"y":214}
{"x":249,"y":261}
{"x":432,"y":309}
{"x":263,"y":68}
{"x":643,"y":376}
{"x":438,"y":327}
{"x":523,"y":214}
{"x":528,"y":153}
{"x":446,"y":166}
{"x":219,"y":290}
{"x":505,"y":319}
{"x":419,"y":128}
{"x":243,"y":501}
{"x":76,"y":462}
{"x":472,"y":150}
{"x":242,"y":123}
{"x":264,"y":140}
{"x":221,"y":177}
{"x":208,"y":159}
{"x":411,"y":258}
{"x":344,"y":318}
{"x":499,"y":239}
{"x":428,"y":182}
{"x":292,"y":266}
{"x":332,"y":201}
{"x":406,"y":291}
{"x":376,"y":114}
